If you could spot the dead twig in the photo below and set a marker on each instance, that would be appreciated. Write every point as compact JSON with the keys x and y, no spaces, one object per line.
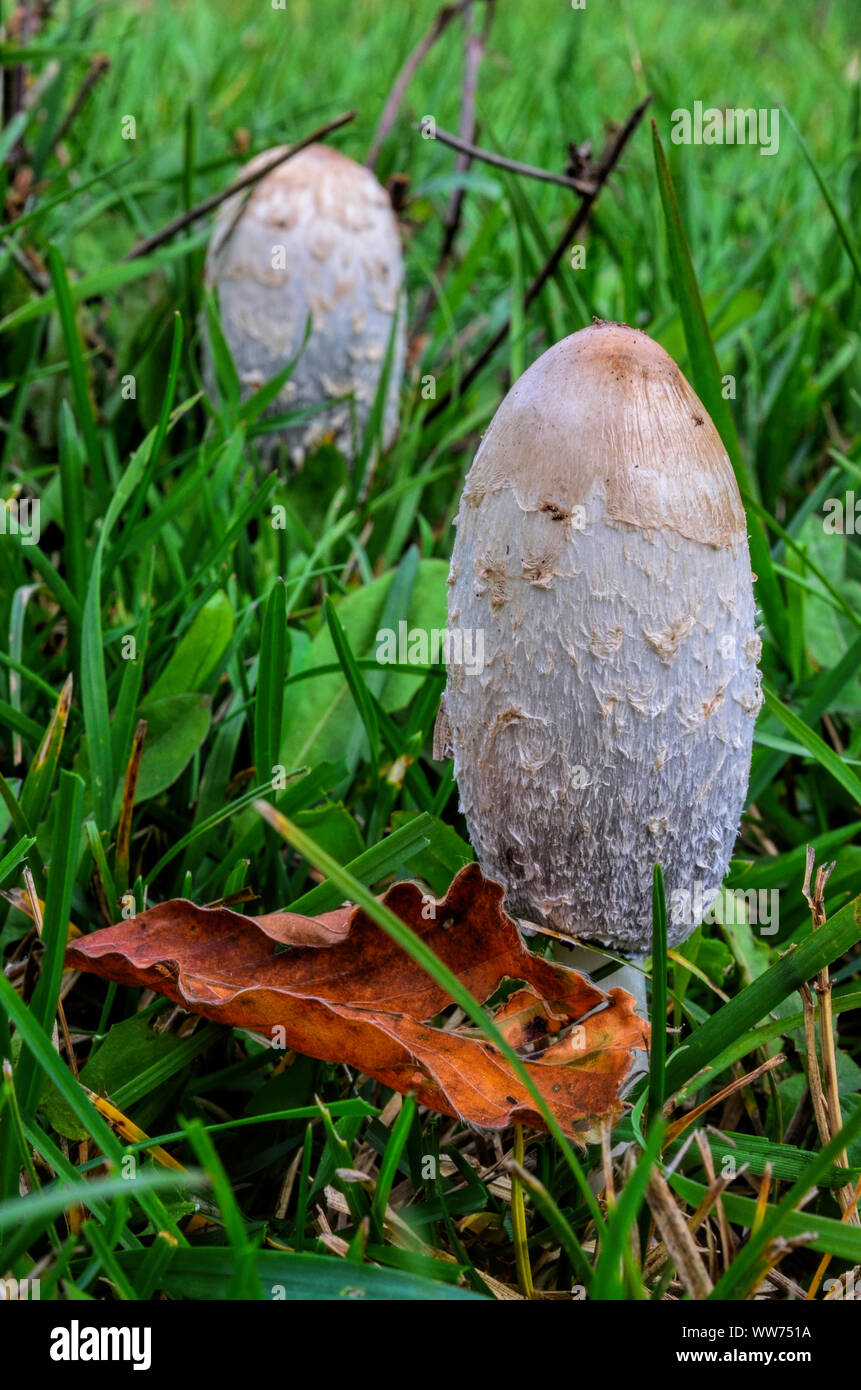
{"x":726,"y":1236}
{"x":473,"y":54}
{"x":37,"y":278}
{"x":826,"y":1259}
{"x":677,"y":1238}
{"x":587,"y":201}
{"x":402,"y":81}
{"x":679,"y":1126}
{"x":513,"y":166}
{"x":814,"y":1079}
{"x":142,"y":248}
{"x":659,"y":1255}
{"x":21,"y":27}
{"x":826,"y":1106}
{"x":99,"y":65}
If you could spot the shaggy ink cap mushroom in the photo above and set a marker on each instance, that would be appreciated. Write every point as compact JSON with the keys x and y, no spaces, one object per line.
{"x":317,"y":236}
{"x":602,"y":551}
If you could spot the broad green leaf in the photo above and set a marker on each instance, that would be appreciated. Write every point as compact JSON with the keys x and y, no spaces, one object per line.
{"x":410,"y":840}
{"x":445,"y":855}
{"x":319,"y":713}
{"x":199,"y":652}
{"x":176,"y":727}
{"x":132,"y":1061}
{"x":333,"y":827}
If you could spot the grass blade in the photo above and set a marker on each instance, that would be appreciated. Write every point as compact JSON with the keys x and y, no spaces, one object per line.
{"x":658,"y":1052}
{"x":799,"y":964}
{"x":355,"y":680}
{"x":58,"y":902}
{"x":839,"y":220}
{"x":78,"y":373}
{"x":707,"y":381}
{"x":809,"y":739}
{"x":391,"y":1159}
{"x":94,"y":686}
{"x":744,"y":1272}
{"x":39,"y":1045}
{"x":40,"y":775}
{"x":271,"y":670}
{"x":608,"y":1282}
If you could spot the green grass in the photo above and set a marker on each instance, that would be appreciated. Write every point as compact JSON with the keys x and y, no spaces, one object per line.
{"x":162,"y":588}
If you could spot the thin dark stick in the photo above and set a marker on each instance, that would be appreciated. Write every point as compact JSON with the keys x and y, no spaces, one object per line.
{"x":171,"y":228}
{"x":513,"y":166}
{"x":473,"y":54}
{"x":24,"y":23}
{"x":587,"y":201}
{"x":98,"y":67}
{"x":602,"y":173}
{"x":38,"y":279}
{"x":405,"y":76}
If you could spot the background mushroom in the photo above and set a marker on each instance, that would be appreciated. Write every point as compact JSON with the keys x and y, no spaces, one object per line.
{"x":316,"y":236}
{"x":602,"y":549}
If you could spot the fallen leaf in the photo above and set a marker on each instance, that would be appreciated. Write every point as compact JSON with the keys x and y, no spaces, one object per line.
{"x":345,"y":992}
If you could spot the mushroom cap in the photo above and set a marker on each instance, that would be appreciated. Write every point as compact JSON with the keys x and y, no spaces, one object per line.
{"x":601,"y":553}
{"x":317,"y":236}
{"x":607,"y":410}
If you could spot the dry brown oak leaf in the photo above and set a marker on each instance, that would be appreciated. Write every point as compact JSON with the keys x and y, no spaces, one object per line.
{"x":345,"y":992}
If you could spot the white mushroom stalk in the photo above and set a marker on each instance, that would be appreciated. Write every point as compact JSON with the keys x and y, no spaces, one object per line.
{"x":602,"y":551}
{"x":317,"y":236}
